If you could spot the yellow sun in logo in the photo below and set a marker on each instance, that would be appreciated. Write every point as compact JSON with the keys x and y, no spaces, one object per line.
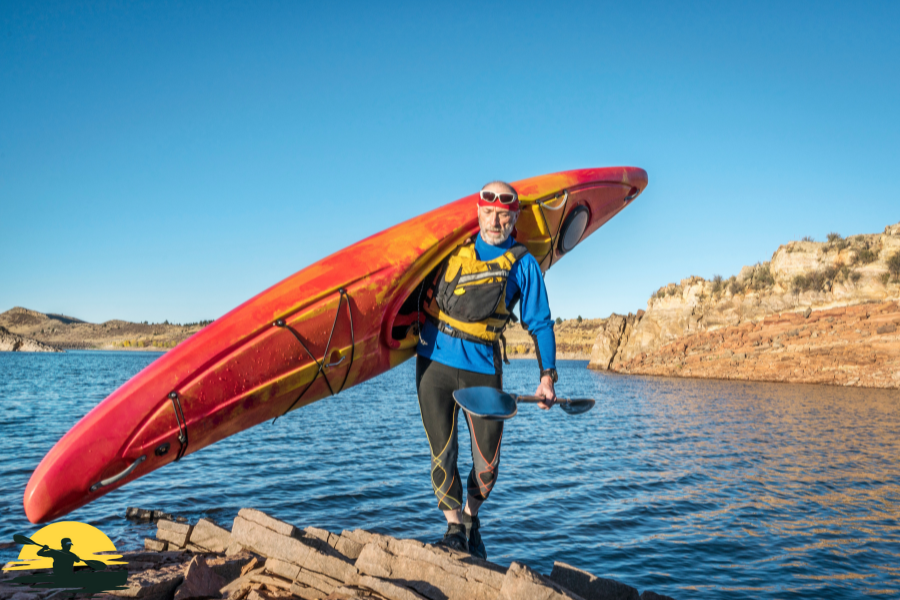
{"x":87,"y":542}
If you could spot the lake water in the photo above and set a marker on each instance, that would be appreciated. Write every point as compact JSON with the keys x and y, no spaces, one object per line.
{"x":695,"y":489}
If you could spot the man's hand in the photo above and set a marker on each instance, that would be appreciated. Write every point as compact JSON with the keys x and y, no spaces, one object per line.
{"x":545,"y":390}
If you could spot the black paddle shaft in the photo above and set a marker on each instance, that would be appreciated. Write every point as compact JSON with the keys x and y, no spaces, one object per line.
{"x":573,"y":406}
{"x":494,"y":404}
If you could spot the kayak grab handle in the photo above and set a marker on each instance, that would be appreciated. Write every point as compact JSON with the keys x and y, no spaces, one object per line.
{"x":115,"y":478}
{"x":334,"y":364}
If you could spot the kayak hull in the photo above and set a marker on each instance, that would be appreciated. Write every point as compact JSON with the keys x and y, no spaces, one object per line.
{"x":332,"y":325}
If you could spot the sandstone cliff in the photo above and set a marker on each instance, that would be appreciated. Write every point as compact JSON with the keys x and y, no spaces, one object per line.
{"x":10,"y":342}
{"x":803,"y":277}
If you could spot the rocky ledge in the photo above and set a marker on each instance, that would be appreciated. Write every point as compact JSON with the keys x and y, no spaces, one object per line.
{"x":263,"y":558}
{"x":11,"y":342}
{"x":822,"y":312}
{"x":851,"y":346}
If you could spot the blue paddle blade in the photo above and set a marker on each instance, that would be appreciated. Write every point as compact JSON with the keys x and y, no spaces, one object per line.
{"x":487,"y":403}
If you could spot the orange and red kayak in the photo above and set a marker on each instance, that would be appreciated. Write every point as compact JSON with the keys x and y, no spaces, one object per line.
{"x":336,"y":323}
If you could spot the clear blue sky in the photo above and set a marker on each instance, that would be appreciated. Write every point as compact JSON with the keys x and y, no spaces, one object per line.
{"x":170,"y":160}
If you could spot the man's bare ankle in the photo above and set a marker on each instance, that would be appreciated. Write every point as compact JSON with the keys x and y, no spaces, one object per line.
{"x":453,"y":516}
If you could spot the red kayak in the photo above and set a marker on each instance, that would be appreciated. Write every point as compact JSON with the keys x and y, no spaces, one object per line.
{"x":336,"y":323}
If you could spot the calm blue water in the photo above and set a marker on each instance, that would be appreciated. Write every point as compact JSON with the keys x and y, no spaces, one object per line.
{"x":696,"y":489}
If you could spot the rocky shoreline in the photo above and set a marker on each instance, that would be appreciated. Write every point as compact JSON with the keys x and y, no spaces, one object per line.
{"x":263,"y":558}
{"x":851,"y":346}
{"x":11,"y":342}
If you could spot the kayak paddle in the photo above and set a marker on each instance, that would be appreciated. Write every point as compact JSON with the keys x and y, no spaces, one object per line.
{"x":497,"y":405}
{"x":97,"y":565}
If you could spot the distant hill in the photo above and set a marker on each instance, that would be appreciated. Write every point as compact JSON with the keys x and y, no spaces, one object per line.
{"x":65,"y":332}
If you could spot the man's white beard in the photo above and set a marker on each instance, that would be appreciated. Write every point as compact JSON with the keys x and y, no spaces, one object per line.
{"x":495,"y":238}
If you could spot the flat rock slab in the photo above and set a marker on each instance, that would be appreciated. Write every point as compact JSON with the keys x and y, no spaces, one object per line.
{"x":591,"y":587}
{"x":175,"y":533}
{"x":230,"y":567}
{"x":173,"y":526}
{"x":200,"y":581}
{"x":317,"y":581}
{"x":282,"y":568}
{"x":388,"y":589}
{"x":241,"y":586}
{"x":261,"y":518}
{"x":310,"y":553}
{"x":307,"y":593}
{"x":207,"y":534}
{"x":433,"y":572}
{"x":321,"y":534}
{"x":268,"y":542}
{"x":155,"y":545}
{"x":349,"y":547}
{"x":153,"y":585}
{"x":523,"y":582}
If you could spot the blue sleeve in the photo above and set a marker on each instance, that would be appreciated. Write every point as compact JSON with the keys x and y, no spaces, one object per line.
{"x":529,"y":282}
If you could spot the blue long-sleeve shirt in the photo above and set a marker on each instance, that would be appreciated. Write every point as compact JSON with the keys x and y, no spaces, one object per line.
{"x":524,"y":278}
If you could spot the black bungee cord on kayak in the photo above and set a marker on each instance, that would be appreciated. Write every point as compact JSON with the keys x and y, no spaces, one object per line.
{"x":320,"y":366}
{"x":182,"y":425}
{"x":161,"y":450}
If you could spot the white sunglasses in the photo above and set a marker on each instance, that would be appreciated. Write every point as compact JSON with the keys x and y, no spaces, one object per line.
{"x":503,"y":198}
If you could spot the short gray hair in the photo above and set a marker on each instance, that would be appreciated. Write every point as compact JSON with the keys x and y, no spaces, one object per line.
{"x":503,"y":183}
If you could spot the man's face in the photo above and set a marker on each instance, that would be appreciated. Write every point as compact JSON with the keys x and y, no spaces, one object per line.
{"x":496,"y":224}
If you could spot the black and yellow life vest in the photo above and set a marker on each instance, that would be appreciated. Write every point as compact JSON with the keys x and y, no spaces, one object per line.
{"x":468,"y":298}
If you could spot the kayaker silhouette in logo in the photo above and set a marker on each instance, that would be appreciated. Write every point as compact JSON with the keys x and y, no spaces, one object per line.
{"x":65,"y":572}
{"x":63,"y":560}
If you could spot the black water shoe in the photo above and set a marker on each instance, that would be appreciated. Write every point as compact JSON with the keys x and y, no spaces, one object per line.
{"x":455,"y":538}
{"x":473,"y":532}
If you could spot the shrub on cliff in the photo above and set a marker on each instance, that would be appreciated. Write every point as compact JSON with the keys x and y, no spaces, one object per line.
{"x":864,"y":256}
{"x":836,"y":242}
{"x":843,"y":273}
{"x":814,"y":281}
{"x":820,"y":281}
{"x":717,"y":284}
{"x":807,"y":238}
{"x":893,"y":265}
{"x":761,"y":278}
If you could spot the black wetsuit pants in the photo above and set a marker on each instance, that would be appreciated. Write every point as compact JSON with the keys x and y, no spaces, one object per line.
{"x":436,"y":383}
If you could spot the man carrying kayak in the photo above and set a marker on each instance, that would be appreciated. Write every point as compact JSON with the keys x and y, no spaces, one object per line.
{"x":467,"y":308}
